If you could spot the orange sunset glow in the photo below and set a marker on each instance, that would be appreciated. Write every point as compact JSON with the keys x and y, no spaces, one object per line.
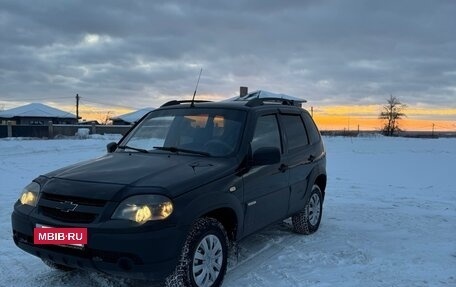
{"x":330,"y":117}
{"x":366,"y":117}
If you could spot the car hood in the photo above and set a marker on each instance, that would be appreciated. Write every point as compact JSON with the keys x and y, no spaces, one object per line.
{"x":172,"y":174}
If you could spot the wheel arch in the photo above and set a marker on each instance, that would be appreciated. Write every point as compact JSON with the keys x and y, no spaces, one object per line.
{"x":228,"y":218}
{"x":225,"y":208}
{"x":321,"y":182}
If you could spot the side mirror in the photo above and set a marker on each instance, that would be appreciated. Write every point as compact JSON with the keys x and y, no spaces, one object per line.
{"x":266,"y":156}
{"x":111,"y":147}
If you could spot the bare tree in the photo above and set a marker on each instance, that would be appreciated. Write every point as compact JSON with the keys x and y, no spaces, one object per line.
{"x":392,"y":113}
{"x":107,"y":119}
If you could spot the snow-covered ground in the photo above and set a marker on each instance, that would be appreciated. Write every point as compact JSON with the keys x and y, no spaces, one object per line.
{"x":389,"y":219}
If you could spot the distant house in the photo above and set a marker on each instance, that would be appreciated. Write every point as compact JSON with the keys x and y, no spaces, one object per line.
{"x":130,"y":118}
{"x":36,"y":114}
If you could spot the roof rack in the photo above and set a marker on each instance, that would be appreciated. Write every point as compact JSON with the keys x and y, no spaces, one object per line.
{"x":261,"y":97}
{"x":261,"y":101}
{"x":175,"y":102}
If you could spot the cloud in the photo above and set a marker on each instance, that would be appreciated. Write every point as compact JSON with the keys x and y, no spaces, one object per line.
{"x":143,"y":53}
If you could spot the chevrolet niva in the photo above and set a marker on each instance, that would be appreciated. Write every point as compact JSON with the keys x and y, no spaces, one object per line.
{"x":189,"y":178}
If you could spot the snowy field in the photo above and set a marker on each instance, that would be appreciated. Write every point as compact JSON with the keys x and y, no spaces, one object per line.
{"x":389,"y":219}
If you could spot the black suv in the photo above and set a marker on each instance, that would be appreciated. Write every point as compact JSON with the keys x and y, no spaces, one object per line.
{"x":187,"y":179}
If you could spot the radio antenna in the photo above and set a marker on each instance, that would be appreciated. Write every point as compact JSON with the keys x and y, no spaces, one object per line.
{"x":196,"y":88}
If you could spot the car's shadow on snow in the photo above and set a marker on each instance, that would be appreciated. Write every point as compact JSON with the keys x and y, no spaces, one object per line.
{"x":86,"y":278}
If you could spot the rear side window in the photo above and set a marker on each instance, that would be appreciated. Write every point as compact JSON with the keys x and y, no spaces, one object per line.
{"x":314,"y":134}
{"x":295,"y":131}
{"x":266,"y":134}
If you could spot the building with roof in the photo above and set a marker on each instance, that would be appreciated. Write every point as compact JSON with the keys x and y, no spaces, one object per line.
{"x":130,"y":118}
{"x":36,"y":114}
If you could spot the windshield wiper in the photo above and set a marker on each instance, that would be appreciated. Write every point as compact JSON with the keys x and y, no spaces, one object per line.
{"x":176,"y":150}
{"x":133,"y":148}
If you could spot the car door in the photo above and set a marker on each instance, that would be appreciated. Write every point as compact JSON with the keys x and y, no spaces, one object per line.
{"x":297,"y":158}
{"x":266,"y":191}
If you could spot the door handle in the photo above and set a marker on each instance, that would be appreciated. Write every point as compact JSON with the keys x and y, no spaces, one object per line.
{"x":283,"y":167}
{"x":311,"y":158}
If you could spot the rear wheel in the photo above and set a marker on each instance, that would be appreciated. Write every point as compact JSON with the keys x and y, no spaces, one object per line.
{"x":204,"y":256}
{"x":308,"y":220}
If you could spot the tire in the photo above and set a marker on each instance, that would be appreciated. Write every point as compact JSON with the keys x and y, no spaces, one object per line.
{"x":308,"y":220}
{"x":203,"y":260}
{"x":57,"y":266}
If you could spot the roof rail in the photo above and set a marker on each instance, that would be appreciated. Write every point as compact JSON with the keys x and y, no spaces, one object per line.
{"x":174,"y":102}
{"x":261,"y":101}
{"x":265,"y":97}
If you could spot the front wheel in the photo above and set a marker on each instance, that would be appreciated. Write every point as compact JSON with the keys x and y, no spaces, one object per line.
{"x":308,"y":220}
{"x":204,"y":256}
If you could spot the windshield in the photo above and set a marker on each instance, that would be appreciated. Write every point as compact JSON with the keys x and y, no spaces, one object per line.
{"x":212,"y":132}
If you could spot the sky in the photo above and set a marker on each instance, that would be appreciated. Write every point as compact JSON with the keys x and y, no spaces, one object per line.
{"x":345,"y":57}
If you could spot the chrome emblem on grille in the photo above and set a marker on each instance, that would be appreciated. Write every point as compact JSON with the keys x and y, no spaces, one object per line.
{"x":66,"y":206}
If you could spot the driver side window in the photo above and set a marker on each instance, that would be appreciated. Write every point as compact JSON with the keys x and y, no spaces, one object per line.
{"x":267,"y":133}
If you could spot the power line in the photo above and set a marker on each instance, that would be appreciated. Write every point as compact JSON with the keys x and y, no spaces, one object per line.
{"x":439,"y":125}
{"x":36,"y":99}
{"x":108,"y":104}
{"x":72,"y":98}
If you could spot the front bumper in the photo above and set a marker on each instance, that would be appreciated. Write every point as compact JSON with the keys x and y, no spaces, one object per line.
{"x":133,"y":253}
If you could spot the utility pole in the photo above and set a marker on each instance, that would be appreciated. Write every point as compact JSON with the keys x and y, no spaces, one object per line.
{"x":77,"y":107}
{"x":433,"y":125}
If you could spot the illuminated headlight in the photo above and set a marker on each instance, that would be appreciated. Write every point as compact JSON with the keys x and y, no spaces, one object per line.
{"x":142,"y":208}
{"x":29,"y":195}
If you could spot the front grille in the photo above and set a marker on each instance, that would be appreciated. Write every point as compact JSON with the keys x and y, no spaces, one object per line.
{"x":74,"y":199}
{"x":60,"y":207}
{"x":73,"y":216}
